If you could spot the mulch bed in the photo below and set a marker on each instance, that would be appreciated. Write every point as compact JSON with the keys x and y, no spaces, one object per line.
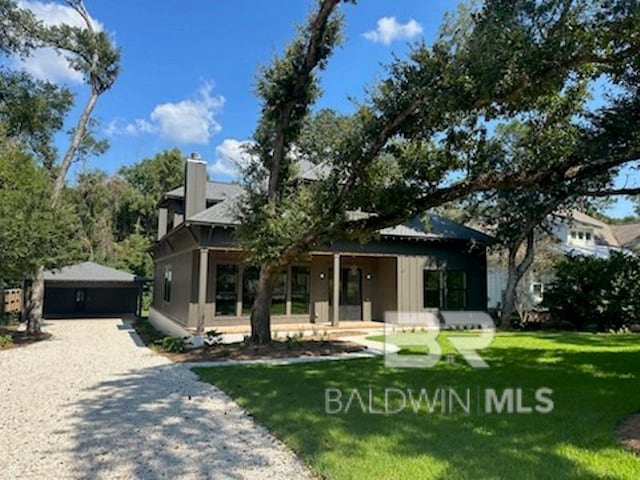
{"x":307,"y":346}
{"x":629,"y":433}
{"x":276,"y":349}
{"x":20,"y":338}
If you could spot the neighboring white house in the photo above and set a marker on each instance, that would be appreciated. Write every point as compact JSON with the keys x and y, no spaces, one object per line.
{"x":576,"y":233}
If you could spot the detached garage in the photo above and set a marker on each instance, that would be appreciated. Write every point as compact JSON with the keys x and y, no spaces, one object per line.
{"x":90,"y":289}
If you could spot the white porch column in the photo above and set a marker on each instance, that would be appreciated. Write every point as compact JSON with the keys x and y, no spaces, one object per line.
{"x":239,"y":288}
{"x":202,"y":289}
{"x":335,"y":320}
{"x":288,"y":299}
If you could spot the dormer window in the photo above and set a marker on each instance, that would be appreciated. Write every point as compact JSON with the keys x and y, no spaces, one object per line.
{"x":581,"y":237}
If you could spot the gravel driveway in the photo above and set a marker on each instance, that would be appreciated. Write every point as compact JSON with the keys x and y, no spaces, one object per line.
{"x":94,"y":403}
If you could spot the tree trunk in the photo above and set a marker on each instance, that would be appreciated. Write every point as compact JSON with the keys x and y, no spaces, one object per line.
{"x":76,"y":140}
{"x":36,"y":303}
{"x":36,"y":299}
{"x":261,"y":310}
{"x":515,"y":273}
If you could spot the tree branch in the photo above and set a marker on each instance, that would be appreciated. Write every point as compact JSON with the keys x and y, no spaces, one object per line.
{"x":613,"y":192}
{"x":313,"y":55}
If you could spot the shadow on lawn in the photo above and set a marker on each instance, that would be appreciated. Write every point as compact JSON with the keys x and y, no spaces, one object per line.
{"x":592,"y":392}
{"x":157,"y":423}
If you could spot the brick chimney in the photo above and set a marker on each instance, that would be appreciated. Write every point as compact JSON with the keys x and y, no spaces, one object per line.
{"x":195,"y":186}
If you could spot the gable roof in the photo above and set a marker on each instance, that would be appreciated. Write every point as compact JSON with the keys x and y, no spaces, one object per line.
{"x":89,"y":272}
{"x":602,"y":232}
{"x":628,"y":235}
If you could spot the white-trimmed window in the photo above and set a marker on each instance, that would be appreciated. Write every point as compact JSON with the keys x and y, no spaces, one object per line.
{"x":581,"y":237}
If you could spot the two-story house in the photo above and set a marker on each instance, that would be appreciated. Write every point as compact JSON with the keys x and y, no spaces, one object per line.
{"x":200,"y":273}
{"x":572,"y":233}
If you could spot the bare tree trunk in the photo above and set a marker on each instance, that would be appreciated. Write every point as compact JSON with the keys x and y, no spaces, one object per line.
{"x":36,"y":298}
{"x":36,"y":304}
{"x":515,"y":273}
{"x":76,"y":140}
{"x":261,"y":310}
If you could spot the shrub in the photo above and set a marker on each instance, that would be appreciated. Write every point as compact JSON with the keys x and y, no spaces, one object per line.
{"x":594,"y":291}
{"x":294,"y":341}
{"x":172,"y":344}
{"x":5,"y":341}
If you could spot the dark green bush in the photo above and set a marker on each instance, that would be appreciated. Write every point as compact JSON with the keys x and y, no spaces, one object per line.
{"x":5,"y":341}
{"x":590,"y":291}
{"x":172,"y":344}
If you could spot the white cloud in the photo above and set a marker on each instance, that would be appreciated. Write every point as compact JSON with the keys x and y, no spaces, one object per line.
{"x":139,"y":126}
{"x":186,"y":121}
{"x":52,"y":13}
{"x":230,"y":157}
{"x":389,"y":29}
{"x":46,"y":63}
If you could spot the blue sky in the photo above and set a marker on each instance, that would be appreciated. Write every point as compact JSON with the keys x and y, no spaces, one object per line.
{"x":189,"y":67}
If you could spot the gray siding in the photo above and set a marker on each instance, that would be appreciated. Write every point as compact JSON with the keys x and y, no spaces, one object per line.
{"x":396,"y":267}
{"x":410,"y":277}
{"x":181,"y":286}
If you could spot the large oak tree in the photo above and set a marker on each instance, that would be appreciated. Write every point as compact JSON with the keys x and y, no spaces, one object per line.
{"x":424,"y":136}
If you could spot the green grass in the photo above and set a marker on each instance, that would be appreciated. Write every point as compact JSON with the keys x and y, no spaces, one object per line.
{"x":595,"y":380}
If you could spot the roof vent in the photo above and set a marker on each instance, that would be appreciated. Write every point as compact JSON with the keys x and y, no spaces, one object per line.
{"x":195,"y":156}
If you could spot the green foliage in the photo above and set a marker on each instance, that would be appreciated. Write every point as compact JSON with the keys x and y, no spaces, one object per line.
{"x":498,"y":101}
{"x":119,"y":214}
{"x":91,"y":53}
{"x":590,"y":291}
{"x":6,"y":341}
{"x":33,"y":111}
{"x":147,"y":332}
{"x":145,"y":183}
{"x":32,"y":232}
{"x":17,"y":29}
{"x":172,"y":344}
{"x":294,"y":341}
{"x":96,"y":201}
{"x":132,"y":255}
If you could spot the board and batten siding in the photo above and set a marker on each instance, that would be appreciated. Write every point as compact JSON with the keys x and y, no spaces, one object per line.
{"x":411,"y":280}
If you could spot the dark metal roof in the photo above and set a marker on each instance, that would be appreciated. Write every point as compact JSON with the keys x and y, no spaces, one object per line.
{"x":434,"y":227}
{"x":90,"y":272}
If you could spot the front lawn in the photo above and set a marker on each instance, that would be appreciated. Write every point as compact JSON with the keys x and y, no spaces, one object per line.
{"x":595,"y":383}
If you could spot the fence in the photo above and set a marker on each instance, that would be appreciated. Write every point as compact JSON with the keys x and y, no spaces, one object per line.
{"x":11,"y":300}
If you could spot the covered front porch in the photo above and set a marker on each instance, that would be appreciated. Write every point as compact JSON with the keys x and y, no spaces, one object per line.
{"x":322,"y":289}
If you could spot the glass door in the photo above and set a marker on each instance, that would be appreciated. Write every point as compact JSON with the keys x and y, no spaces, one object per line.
{"x":350,"y":293}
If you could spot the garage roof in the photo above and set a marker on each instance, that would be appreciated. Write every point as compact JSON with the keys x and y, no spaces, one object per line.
{"x":89,"y":272}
